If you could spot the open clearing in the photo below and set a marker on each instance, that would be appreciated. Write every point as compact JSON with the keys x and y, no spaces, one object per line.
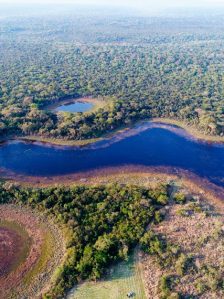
{"x":197,"y":229}
{"x":14,"y":247}
{"x":120,"y":280}
{"x":30,"y":251}
{"x":199,"y":232}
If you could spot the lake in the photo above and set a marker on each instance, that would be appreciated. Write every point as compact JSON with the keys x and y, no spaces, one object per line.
{"x":153,"y":146}
{"x":75,"y":107}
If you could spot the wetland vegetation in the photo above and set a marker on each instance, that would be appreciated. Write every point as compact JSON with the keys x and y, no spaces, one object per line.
{"x":161,"y":239}
{"x":102,"y":224}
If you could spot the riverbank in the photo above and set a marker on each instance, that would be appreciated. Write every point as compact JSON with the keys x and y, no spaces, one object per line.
{"x":133,"y":175}
{"x":76,"y":143}
{"x":106,"y":171}
{"x":192,"y":130}
{"x":59,"y":142}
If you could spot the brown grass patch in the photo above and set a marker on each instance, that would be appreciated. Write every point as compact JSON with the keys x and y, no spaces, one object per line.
{"x":29,"y":265}
{"x":197,"y":228}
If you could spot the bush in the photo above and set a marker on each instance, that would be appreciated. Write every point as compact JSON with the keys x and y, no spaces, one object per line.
{"x":184,"y":264}
{"x":179,"y":198}
{"x":159,"y":217}
{"x":163,"y":199}
{"x":166,"y":284}
{"x":200,"y":287}
{"x":152,"y":243}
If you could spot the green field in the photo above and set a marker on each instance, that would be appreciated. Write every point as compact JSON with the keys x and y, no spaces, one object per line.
{"x":121,"y":279}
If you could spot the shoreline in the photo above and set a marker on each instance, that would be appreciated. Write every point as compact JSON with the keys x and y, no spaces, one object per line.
{"x":191,"y":133}
{"x":173,"y":125}
{"x":97,"y":103}
{"x":137,"y":175}
{"x":190,"y":130}
{"x":35,"y":274}
{"x":105,"y":175}
{"x":59,"y":142}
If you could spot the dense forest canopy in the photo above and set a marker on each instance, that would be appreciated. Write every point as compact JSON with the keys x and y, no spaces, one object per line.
{"x":101,"y":224}
{"x":147,"y":67}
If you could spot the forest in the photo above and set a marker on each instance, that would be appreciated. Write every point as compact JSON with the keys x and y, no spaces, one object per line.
{"x":144,"y":67}
{"x":141,"y":68}
{"x":101,"y":224}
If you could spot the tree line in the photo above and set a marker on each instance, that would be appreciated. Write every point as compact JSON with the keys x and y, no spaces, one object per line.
{"x":175,"y":77}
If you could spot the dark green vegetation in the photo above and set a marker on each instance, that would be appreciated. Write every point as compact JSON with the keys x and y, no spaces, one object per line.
{"x":102,"y":224}
{"x":145,"y":66}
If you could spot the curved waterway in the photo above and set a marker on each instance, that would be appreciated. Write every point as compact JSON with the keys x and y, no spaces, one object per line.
{"x":149,"y":144}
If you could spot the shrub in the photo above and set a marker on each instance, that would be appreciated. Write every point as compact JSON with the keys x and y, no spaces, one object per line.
{"x":159,"y":217}
{"x":163,"y":199}
{"x":184,"y":264}
{"x":152,"y":243}
{"x":166,"y":284}
{"x":200,"y":287}
{"x":179,"y":198}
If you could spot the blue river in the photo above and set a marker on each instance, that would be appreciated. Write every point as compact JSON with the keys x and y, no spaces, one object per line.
{"x":154,"y":146}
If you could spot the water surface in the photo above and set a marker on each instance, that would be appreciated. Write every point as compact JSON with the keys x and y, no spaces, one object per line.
{"x":153,"y":147}
{"x":75,"y":107}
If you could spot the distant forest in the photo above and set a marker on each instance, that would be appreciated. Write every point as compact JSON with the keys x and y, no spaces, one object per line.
{"x":146,"y":67}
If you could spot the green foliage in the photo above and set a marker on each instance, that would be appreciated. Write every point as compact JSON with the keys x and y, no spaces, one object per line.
{"x":152,"y":244}
{"x":144,"y":78}
{"x":184,"y":264}
{"x":212,"y":279}
{"x":166,"y":284}
{"x":165,"y":253}
{"x":179,"y":198}
{"x":160,"y":195}
{"x":102,"y":224}
{"x":159,"y":217}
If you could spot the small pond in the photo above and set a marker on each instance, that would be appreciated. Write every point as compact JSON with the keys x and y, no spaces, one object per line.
{"x":75,"y":107}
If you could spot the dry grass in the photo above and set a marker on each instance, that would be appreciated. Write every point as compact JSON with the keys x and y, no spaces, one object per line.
{"x":34,"y":272}
{"x":197,"y":228}
{"x":120,"y":280}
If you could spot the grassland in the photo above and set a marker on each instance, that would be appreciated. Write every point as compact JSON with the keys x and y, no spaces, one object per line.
{"x":120,"y":280}
{"x":60,"y":142}
{"x":191,"y":264}
{"x":20,"y":253}
{"x":34,"y":254}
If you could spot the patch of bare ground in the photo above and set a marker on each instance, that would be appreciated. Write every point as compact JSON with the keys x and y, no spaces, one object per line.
{"x":196,"y":268}
{"x":12,"y":247}
{"x":35,"y":249}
